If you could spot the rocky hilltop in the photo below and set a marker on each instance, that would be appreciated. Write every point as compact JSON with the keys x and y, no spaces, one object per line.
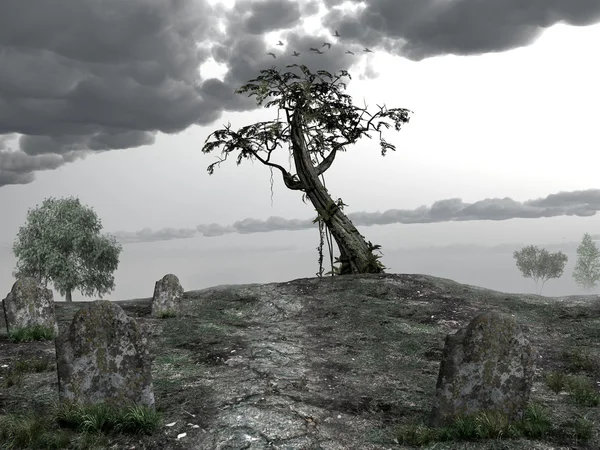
{"x":318,"y":363}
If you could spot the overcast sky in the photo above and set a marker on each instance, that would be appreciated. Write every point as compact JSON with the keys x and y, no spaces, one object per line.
{"x":112,"y":101}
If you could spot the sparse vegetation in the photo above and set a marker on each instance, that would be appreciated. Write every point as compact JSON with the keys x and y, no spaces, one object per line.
{"x":20,"y":367}
{"x":582,"y":391}
{"x":386,"y":338}
{"x":579,"y":360}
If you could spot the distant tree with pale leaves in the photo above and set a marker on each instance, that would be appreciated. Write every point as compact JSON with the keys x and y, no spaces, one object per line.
{"x":587,"y":267}
{"x":540,"y":264}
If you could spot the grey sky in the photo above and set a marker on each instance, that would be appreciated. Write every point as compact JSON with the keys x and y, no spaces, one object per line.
{"x":112,"y":101}
{"x":81,"y":76}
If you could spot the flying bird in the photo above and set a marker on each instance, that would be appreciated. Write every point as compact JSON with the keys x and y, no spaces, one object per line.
{"x":296,"y":54}
{"x":348,"y":51}
{"x":326,"y":44}
{"x":272,"y":54}
{"x":313,"y":49}
{"x":316,"y":50}
{"x":336,"y":33}
{"x":367,"y":50}
{"x":280,"y":43}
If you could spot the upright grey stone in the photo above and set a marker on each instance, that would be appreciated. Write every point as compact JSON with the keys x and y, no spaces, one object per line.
{"x":103,"y":357}
{"x":488,"y":365}
{"x":29,"y":304}
{"x":167,"y":296}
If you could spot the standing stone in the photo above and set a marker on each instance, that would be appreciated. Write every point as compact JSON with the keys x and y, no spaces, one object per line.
{"x":486,"y":366}
{"x":29,"y":304}
{"x":167,"y":296}
{"x":103,"y":357}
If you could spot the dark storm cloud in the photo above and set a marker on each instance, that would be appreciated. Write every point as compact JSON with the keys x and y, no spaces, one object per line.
{"x":83,"y":76}
{"x":426,"y":28}
{"x":575,"y":203}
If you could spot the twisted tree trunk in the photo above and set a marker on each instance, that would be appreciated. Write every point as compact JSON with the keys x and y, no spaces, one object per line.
{"x":355,"y":254}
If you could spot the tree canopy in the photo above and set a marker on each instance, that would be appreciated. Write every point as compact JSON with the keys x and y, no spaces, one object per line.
{"x":540,"y":264}
{"x":61,"y":242}
{"x":587,"y":267}
{"x":318,"y":99}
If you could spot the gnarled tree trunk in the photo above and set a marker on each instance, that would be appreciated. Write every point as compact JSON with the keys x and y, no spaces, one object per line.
{"x":355,"y":254}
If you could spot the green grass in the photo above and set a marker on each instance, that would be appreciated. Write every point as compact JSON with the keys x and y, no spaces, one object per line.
{"x":74,"y":426}
{"x":33,"y":333}
{"x":486,"y":425}
{"x":535,"y":424}
{"x":136,"y":419}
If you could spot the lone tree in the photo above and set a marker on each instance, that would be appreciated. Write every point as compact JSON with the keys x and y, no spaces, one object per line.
{"x":61,"y":243}
{"x":587,"y":267}
{"x":540,"y":264}
{"x":321,"y":121}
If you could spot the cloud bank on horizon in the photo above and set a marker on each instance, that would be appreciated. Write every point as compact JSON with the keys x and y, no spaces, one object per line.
{"x":582,"y":203}
{"x":81,"y":76}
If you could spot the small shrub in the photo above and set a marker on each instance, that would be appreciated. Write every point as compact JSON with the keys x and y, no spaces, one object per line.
{"x":583,"y":429}
{"x":33,"y":333}
{"x":166,"y":314}
{"x":582,"y":391}
{"x":556,"y":381}
{"x":579,"y":361}
{"x":579,"y":430}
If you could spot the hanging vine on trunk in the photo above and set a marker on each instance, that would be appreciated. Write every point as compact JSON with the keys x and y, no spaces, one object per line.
{"x":320,"y":250}
{"x":372,"y":265}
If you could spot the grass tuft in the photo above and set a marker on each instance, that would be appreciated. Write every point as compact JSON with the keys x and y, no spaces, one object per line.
{"x":483,"y":425}
{"x":33,"y":333}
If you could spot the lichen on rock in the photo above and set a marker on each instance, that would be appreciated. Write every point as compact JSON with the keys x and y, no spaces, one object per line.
{"x":103,"y":357}
{"x":487,"y":366}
